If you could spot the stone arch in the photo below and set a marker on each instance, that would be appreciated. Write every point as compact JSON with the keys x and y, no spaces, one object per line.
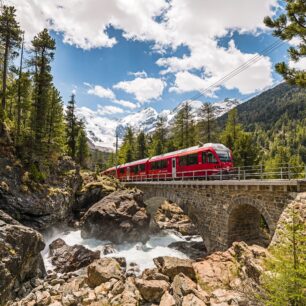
{"x":245,"y":220}
{"x":154,"y":199}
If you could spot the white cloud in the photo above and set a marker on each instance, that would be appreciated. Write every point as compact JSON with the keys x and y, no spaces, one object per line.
{"x":300,"y":65}
{"x":215,"y":66}
{"x":109,"y":110}
{"x":144,"y":89}
{"x":139,"y":74}
{"x":107,"y":93}
{"x":196,"y":24}
{"x":84,"y":23}
{"x":126,"y":104}
{"x":100,"y":91}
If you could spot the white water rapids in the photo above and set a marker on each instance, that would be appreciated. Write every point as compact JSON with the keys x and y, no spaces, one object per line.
{"x":139,"y":253}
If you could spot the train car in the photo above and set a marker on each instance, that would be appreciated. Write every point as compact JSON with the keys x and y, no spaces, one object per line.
{"x":133,"y":170}
{"x":207,"y":161}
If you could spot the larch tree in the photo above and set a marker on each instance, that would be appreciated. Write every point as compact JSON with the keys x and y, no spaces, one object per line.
{"x":288,"y":26}
{"x":10,"y":39}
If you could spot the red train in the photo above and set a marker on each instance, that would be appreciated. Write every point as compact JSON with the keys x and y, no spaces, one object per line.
{"x":208,"y":161}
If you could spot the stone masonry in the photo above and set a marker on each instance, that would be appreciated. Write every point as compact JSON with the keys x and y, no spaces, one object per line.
{"x":225,"y":212}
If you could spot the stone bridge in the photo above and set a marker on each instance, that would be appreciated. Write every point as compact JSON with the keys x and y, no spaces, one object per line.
{"x":227,"y":211}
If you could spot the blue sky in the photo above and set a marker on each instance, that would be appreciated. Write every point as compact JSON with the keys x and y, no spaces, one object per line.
{"x":122,"y":56}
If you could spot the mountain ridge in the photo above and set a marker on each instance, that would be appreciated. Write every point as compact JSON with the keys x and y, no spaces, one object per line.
{"x":101,"y":130}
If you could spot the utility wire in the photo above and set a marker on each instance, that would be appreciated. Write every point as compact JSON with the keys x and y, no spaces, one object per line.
{"x":239,"y":69}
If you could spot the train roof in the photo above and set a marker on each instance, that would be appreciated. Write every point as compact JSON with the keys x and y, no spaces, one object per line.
{"x":215,"y":146}
{"x":136,"y":162}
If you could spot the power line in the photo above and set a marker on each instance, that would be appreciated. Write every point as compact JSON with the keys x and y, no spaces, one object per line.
{"x":239,"y":69}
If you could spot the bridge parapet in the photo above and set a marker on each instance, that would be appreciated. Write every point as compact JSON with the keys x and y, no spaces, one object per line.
{"x":227,"y":211}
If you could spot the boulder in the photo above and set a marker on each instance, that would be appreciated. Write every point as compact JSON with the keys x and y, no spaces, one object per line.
{"x":230,"y":268}
{"x":70,"y":258}
{"x":20,"y":258}
{"x":94,"y":188}
{"x":172,"y":266}
{"x":153,"y":274}
{"x":102,"y":270}
{"x":119,"y":217}
{"x":167,"y":300}
{"x":183,"y":286}
{"x":192,"y":300}
{"x":152,"y":290}
{"x":194,"y":249}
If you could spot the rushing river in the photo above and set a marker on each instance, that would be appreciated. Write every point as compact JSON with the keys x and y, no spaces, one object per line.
{"x":139,"y":253}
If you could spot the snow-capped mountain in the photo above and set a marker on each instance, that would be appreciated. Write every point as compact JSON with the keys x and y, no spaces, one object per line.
{"x":101,"y":130}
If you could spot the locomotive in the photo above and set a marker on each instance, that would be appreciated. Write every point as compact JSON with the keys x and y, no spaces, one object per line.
{"x":209,"y":161}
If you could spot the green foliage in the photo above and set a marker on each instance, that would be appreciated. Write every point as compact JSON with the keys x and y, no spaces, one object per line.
{"x":71,"y":127}
{"x":126,"y":152}
{"x":207,"y":127}
{"x":184,"y":130}
{"x":291,"y":25}
{"x":285,"y":281}
{"x":159,"y":139}
{"x":141,"y":146}
{"x":82,"y":151}
{"x":10,"y":39}
{"x":36,"y":175}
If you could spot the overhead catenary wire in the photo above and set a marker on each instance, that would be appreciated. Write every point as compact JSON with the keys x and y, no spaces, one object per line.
{"x":275,"y":45}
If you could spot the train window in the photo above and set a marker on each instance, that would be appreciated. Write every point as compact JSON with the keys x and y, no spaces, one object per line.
{"x":224,"y":156}
{"x":161,"y":164}
{"x":210,"y":158}
{"x":188,"y":160}
{"x":121,"y":170}
{"x":135,"y":169}
{"x":142,"y":167}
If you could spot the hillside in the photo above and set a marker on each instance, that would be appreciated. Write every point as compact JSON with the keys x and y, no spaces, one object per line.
{"x":270,"y":106}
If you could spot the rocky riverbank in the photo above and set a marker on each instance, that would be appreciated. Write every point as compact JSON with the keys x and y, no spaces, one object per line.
{"x":114,"y":252}
{"x":224,"y":278}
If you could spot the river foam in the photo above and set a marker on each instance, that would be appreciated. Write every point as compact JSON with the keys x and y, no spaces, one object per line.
{"x":140,"y":253}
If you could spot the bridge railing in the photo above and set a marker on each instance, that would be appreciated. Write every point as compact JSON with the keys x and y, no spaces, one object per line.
{"x":258,"y":172}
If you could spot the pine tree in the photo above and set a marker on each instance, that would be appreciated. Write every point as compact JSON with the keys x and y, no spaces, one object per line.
{"x":246,"y":150}
{"x":82,"y":151}
{"x":159,"y":138}
{"x":207,"y":126}
{"x":291,"y":25}
{"x":183,"y":130}
{"x":141,"y":146}
{"x":55,"y":124}
{"x":285,"y":281}
{"x":43,"y":47}
{"x":71,"y":127}
{"x":10,"y":39}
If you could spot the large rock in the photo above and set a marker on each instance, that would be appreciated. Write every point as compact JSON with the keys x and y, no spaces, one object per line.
{"x":70,"y":258}
{"x":94,"y":188}
{"x":236,"y":270}
{"x":152,"y":290}
{"x":172,"y":266}
{"x":37,"y":205}
{"x":20,"y":258}
{"x":102,"y":270}
{"x":119,"y":217}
